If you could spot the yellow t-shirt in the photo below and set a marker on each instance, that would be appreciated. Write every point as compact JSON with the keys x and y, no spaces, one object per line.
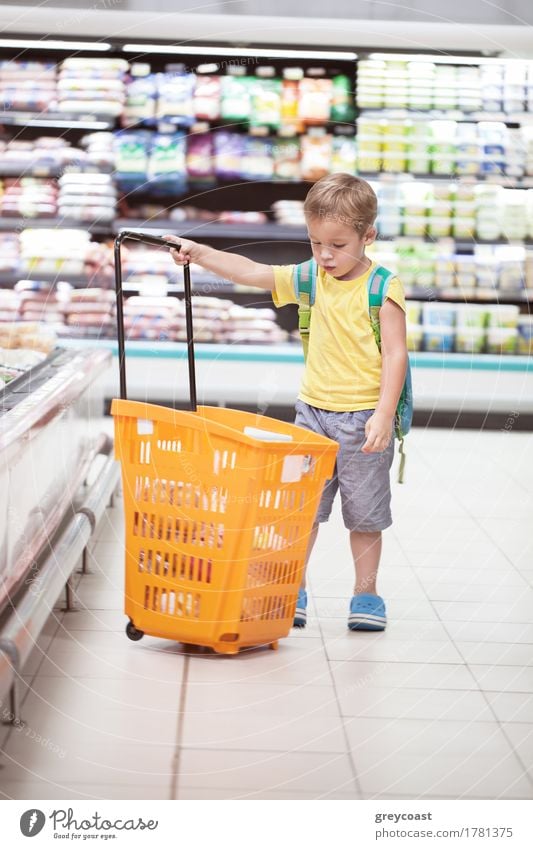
{"x":343,"y":369}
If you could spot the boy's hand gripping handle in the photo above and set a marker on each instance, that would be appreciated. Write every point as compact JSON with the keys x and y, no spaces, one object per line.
{"x":158,"y":241}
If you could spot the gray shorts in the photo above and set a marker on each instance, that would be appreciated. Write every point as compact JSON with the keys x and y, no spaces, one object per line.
{"x":363,"y":479}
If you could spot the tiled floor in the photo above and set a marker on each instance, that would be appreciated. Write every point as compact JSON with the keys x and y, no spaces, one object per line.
{"x":438,"y":706}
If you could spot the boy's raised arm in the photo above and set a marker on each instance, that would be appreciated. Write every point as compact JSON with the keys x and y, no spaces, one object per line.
{"x":238,"y":269}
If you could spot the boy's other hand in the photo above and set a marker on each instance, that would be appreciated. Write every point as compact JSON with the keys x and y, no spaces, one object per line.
{"x":378,"y":431}
{"x":189,"y":251}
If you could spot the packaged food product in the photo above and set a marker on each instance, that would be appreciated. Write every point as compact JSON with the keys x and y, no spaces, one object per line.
{"x":503,"y":315}
{"x":439,"y":314}
{"x":266,"y":103}
{"x":316,"y":156}
{"x":229,"y":152}
{"x":236,"y":97}
{"x":315,"y":100}
{"x":472,"y":315}
{"x":414,"y":337}
{"x":207,"y":97}
{"x":343,"y":155}
{"x":257,"y":162}
{"x":200,"y":152}
{"x":286,"y":155}
{"x":525,"y":335}
{"x":469,"y":339}
{"x":342,"y":105}
{"x":502,"y":340}
{"x":439,"y":338}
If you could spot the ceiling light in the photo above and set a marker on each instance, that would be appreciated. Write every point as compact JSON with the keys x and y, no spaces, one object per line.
{"x":47,"y":44}
{"x":259,"y":52}
{"x":439,"y":58}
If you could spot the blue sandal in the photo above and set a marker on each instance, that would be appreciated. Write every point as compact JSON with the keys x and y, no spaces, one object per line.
{"x":367,"y":613}
{"x":300,"y":614}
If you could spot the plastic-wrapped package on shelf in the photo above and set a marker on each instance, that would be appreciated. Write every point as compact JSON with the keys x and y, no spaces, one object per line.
{"x":200,"y":159}
{"x":141,"y":95}
{"x":266,"y":100}
{"x":40,"y":157}
{"x":92,"y":85}
{"x":175,"y":89}
{"x":38,"y":301}
{"x":132,"y":151}
{"x":316,"y":155}
{"x":229,"y":153}
{"x":88,"y":313}
{"x":289,"y":212}
{"x":29,"y":197}
{"x":236,"y":95}
{"x":215,"y":320}
{"x":167,"y":172}
{"x":28,"y":86}
{"x":9,"y":253}
{"x":258,"y":161}
{"x":207,"y":96}
{"x":287,"y":159}
{"x":60,"y":252}
{"x":87,"y":197}
{"x":30,"y":336}
{"x":99,"y":155}
{"x":315,"y":100}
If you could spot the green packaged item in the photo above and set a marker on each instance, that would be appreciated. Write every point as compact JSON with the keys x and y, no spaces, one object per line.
{"x":236,"y":98}
{"x":342,"y":103}
{"x":266,"y":103}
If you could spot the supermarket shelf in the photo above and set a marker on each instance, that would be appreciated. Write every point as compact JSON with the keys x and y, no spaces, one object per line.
{"x":36,"y":169}
{"x":60,"y":120}
{"x":196,"y":230}
{"x":461,"y":243}
{"x":463,"y":296}
{"x":445,"y":115}
{"x":262,"y":232}
{"x":269,"y":375}
{"x":20,"y":223}
{"x":292,"y":353}
{"x":525,"y":182}
{"x":206,"y":285}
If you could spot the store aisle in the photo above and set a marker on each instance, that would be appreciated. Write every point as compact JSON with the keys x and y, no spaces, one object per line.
{"x":440,"y":705}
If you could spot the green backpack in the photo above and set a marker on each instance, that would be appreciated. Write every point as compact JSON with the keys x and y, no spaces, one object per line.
{"x":304,"y":279}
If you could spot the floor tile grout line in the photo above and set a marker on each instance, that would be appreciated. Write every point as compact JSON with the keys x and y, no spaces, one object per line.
{"x":342,"y":717}
{"x":182,"y":704}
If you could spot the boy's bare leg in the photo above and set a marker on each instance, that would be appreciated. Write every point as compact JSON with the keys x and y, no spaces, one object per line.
{"x":310,"y":545}
{"x":366,"y":552}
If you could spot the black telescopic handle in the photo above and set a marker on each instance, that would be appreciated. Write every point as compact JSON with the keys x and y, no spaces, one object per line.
{"x":157,"y":241}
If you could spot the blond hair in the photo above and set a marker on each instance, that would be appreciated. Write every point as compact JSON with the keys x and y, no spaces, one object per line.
{"x":343,"y":198}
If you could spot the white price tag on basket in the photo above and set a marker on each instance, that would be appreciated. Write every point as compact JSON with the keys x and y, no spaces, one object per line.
{"x":293,"y":468}
{"x":144,"y":427}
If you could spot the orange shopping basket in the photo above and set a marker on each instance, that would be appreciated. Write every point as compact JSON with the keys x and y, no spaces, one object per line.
{"x":219,"y":505}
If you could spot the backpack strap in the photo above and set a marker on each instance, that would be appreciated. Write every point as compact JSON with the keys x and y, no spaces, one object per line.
{"x":304,"y":279}
{"x":377,"y":286}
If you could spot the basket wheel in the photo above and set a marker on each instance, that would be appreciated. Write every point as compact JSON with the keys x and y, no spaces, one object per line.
{"x":133,"y":633}
{"x":274,"y":646}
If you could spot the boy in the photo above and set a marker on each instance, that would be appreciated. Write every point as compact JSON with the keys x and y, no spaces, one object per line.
{"x":349,"y":390}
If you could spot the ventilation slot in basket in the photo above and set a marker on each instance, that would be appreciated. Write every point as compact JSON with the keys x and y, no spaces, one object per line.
{"x":261,"y":608}
{"x":182,"y":567}
{"x":185,"y":605}
{"x":266,"y":573}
